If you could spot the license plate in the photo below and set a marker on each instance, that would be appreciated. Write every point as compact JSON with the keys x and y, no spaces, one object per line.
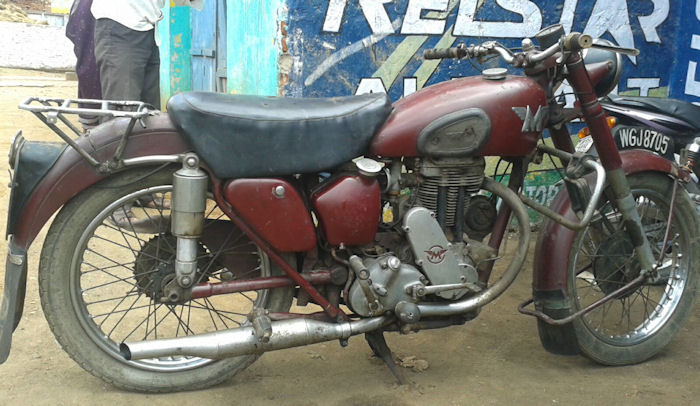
{"x":627,"y":137}
{"x":584,"y":144}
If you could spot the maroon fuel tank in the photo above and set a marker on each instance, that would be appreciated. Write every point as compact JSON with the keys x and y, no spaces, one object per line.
{"x":466,"y":117}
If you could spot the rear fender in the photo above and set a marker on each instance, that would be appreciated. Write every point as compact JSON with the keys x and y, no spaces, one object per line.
{"x":71,"y":174}
{"x":554,"y":243}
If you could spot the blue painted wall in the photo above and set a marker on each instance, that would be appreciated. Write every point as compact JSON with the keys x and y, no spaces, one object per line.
{"x":344,"y":47}
{"x":339,"y":47}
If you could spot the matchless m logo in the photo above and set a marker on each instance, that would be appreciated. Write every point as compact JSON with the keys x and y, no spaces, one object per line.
{"x":531,"y":123}
{"x":436,"y":254}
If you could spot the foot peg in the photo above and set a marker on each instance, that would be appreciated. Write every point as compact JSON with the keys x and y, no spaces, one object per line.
{"x":262,"y":325}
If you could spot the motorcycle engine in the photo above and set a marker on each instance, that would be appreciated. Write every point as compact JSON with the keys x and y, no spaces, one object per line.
{"x":428,"y":253}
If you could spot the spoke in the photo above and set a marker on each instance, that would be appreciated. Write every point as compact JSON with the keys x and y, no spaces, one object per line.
{"x":122,"y":230}
{"x":118,"y":311}
{"x":97,"y":269}
{"x":124,"y":313}
{"x":209,"y":303}
{"x":135,"y":253}
{"x":118,"y":280}
{"x":180,"y":322}
{"x":110,"y":260}
{"x":110,"y":299}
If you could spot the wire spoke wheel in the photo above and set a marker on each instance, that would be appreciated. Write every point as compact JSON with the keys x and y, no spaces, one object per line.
{"x":105,"y":264}
{"x":637,"y":324}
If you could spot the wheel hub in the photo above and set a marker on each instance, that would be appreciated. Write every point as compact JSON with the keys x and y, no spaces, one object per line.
{"x":615,"y":263}
{"x":155,"y":266}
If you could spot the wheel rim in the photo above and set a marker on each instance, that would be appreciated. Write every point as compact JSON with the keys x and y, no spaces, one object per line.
{"x":112,"y":305}
{"x":638,"y":315}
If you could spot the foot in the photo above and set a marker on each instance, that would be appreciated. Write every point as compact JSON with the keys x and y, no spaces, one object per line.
{"x":154,"y":201}
{"x":125,"y":218}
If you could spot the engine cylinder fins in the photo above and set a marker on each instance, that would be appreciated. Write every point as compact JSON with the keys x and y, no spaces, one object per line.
{"x":442,"y":180}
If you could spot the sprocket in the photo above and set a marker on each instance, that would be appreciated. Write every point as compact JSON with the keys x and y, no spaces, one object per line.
{"x":154,"y":266}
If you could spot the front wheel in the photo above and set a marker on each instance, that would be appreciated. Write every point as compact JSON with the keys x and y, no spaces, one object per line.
{"x":106,"y":259}
{"x":637,"y":325}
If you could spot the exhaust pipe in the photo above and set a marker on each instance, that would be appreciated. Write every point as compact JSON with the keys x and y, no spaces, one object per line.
{"x":244,"y":341}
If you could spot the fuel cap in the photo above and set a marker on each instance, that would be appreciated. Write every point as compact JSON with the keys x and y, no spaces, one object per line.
{"x":495,"y":73}
{"x":368,"y":167}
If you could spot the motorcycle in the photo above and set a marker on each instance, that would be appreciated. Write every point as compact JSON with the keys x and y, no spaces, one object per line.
{"x":381,"y":214}
{"x":667,"y":127}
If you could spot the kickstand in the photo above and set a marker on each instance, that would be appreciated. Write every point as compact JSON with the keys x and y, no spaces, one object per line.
{"x":377,"y":343}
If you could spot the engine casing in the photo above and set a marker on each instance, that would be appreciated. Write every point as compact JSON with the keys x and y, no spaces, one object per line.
{"x":391,"y":283}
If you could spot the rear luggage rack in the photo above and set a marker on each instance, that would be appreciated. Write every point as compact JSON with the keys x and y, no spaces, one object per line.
{"x":51,"y":110}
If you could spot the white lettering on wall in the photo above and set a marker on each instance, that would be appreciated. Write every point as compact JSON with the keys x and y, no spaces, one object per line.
{"x":466,"y":25}
{"x":653,"y":20}
{"x":376,"y":16}
{"x":334,"y":15}
{"x":410,"y":86}
{"x":612,"y":16}
{"x":692,"y":86}
{"x":373,"y":10}
{"x":370,"y":85}
{"x":643,"y":84}
{"x":567,"y":14}
{"x":414,"y":24}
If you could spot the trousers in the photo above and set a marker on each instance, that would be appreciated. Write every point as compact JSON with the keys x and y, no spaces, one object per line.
{"x":128,"y":61}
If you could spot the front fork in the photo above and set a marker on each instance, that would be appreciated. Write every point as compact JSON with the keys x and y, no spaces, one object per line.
{"x":188,"y":204}
{"x":610,"y":159}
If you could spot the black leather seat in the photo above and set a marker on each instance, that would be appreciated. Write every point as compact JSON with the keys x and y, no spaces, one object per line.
{"x":681,"y":110}
{"x":248,"y":136}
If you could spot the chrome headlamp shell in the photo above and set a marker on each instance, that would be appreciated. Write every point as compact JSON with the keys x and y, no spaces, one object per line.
{"x":597,"y":55}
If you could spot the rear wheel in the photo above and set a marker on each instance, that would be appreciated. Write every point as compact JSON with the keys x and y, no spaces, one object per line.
{"x":102,"y":275}
{"x":637,"y":325}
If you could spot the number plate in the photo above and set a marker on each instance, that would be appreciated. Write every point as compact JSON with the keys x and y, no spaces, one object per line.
{"x":627,"y":137}
{"x":584,"y":144}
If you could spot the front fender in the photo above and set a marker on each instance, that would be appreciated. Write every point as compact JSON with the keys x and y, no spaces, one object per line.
{"x":71,"y":174}
{"x":554,"y":241}
{"x":553,"y":248}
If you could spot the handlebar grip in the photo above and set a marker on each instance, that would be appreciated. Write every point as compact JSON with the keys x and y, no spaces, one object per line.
{"x":577,"y":41}
{"x":445,"y":53}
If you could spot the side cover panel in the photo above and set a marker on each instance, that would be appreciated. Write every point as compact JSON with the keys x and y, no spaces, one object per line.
{"x":275,"y":210}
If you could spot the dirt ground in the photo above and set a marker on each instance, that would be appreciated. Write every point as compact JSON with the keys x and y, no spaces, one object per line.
{"x":495,"y":359}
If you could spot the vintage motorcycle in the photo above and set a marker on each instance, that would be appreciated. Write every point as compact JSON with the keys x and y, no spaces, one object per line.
{"x":266,"y":200}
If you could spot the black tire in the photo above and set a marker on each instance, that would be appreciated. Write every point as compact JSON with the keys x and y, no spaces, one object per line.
{"x":638,"y":325}
{"x":91,"y":264}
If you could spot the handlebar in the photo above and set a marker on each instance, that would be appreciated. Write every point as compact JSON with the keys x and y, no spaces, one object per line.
{"x":571,"y":43}
{"x":458,"y":52}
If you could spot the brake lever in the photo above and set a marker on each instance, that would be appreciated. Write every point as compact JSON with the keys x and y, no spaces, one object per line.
{"x":619,"y":50}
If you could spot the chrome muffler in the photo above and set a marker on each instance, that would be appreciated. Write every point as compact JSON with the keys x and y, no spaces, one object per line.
{"x":245,"y":341}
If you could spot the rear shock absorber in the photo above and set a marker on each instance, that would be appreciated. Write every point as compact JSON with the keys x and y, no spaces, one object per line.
{"x":188,"y":205}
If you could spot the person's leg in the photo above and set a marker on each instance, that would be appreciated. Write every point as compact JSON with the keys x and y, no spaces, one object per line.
{"x":121,"y":59}
{"x":151,"y":83}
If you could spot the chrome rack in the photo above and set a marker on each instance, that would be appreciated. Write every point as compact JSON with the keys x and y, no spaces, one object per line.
{"x":51,"y":110}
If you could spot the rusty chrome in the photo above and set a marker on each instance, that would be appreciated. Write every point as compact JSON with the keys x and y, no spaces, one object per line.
{"x":243,"y":341}
{"x":592,"y":204}
{"x":633,"y":284}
